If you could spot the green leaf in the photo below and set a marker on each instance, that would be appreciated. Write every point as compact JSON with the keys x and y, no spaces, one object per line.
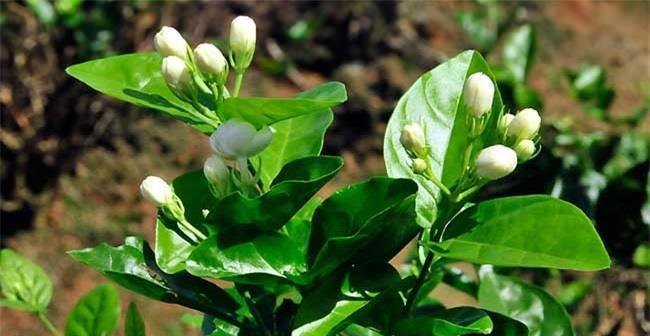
{"x":531,"y":305}
{"x":525,"y":231}
{"x":24,"y":284}
{"x":239,"y":218}
{"x":171,"y":249}
{"x":357,"y":330}
{"x":298,"y":137}
{"x":271,"y":254}
{"x":132,"y":266}
{"x":133,"y":325}
{"x":137,"y":79}
{"x":324,"y":309}
{"x":299,"y":227}
{"x":266,"y":111}
{"x":350,"y":225}
{"x":641,"y":257}
{"x":43,"y":10}
{"x":95,"y":314}
{"x":476,"y":27}
{"x":435,"y":102}
{"x":505,"y":326}
{"x":450,"y":322}
{"x":519,"y":52}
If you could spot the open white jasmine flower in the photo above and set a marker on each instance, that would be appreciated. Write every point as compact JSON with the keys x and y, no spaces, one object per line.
{"x":238,"y":139}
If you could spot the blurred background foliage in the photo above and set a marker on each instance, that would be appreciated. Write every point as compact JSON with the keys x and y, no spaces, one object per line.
{"x":72,"y":158}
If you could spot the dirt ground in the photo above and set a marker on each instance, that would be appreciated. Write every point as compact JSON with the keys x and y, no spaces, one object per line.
{"x":73,"y":160}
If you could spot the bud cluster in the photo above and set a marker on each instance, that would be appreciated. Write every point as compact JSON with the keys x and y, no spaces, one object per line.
{"x":204,"y":68}
{"x":519,"y":134}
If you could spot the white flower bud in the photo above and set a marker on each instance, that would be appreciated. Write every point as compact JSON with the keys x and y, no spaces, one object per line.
{"x":176,"y":73}
{"x":209,"y":59}
{"x":478,"y":94}
{"x":217,"y":173}
{"x":524,"y":149}
{"x":239,"y":139}
{"x":156,"y":190}
{"x":413,"y":139}
{"x":495,"y":162}
{"x":504,"y":123}
{"x":169,"y":42}
{"x":419,"y":166}
{"x":242,"y":35}
{"x":525,"y":125}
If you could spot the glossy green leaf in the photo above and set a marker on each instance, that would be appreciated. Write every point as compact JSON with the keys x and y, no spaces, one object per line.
{"x":525,"y":231}
{"x":350,"y":225}
{"x":95,"y":314}
{"x":266,"y":111}
{"x":505,"y":326}
{"x":137,"y":79}
{"x":298,"y":137}
{"x":239,"y":218}
{"x":531,"y":305}
{"x":271,"y":254}
{"x":357,"y":330}
{"x":133,"y":325}
{"x":519,"y":52}
{"x":299,"y":227}
{"x":24,"y":284}
{"x":435,"y":102}
{"x":449,"y":322}
{"x":132,"y":266}
{"x":324,"y":308}
{"x":171,"y":249}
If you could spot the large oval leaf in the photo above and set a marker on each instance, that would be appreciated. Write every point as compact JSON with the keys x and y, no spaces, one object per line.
{"x":95,"y":314}
{"x":137,"y":79}
{"x":435,"y":102}
{"x":250,"y":262}
{"x":531,"y":305}
{"x":355,"y":220}
{"x":525,"y":231}
{"x":132,"y":266}
{"x":24,"y":284}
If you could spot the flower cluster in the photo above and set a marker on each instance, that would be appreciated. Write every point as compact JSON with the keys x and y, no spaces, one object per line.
{"x":204,"y":70}
{"x":518,"y":136}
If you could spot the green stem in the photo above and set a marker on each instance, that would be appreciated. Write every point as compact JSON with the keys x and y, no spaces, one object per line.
{"x":256,"y":313}
{"x":429,"y":174}
{"x":239,"y":76}
{"x":419,"y":282}
{"x":48,"y":324}
{"x":192,"y":229}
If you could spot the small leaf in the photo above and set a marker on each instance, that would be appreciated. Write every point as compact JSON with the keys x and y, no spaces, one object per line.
{"x":297,"y":137}
{"x":240,"y":218}
{"x":519,"y":52}
{"x":24,"y":284}
{"x":449,"y":322}
{"x":435,"y":102}
{"x":525,"y":231}
{"x":95,"y":314}
{"x":529,"y":304}
{"x":133,"y":325}
{"x":171,"y":249}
